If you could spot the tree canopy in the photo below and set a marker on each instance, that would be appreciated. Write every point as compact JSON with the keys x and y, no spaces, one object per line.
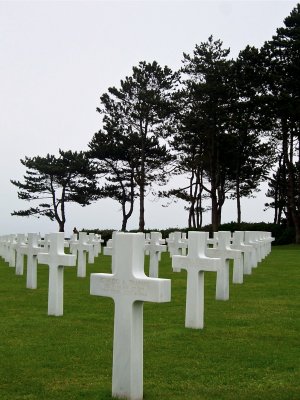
{"x":55,"y":181}
{"x":136,"y":122}
{"x":224,"y":125}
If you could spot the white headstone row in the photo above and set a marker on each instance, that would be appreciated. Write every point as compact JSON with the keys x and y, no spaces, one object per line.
{"x":49,"y":250}
{"x":130,"y":287}
{"x":246,"y":249}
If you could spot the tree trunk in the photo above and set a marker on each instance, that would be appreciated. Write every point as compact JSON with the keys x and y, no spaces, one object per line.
{"x":61,"y":225}
{"x":142,"y":209}
{"x":191,"y":221}
{"x":142,"y":186}
{"x":124,"y":224}
{"x":238,"y":200}
{"x":214,"y":211}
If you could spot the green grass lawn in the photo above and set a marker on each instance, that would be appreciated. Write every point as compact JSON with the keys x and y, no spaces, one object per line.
{"x":249,"y":348}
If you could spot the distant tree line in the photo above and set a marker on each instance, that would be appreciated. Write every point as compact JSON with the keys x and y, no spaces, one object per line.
{"x":225,"y":125}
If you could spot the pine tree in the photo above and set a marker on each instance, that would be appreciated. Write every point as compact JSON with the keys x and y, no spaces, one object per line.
{"x":55,"y":181}
{"x":140,"y":110}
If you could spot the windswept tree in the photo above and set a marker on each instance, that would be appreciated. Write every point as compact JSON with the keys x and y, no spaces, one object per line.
{"x":138,"y":113}
{"x":220,"y":141}
{"x":282,"y":80}
{"x":54,"y":181}
{"x":190,"y":158}
{"x":251,"y":152}
{"x":202,"y":134}
{"x":113,"y":153}
{"x":277,"y":192}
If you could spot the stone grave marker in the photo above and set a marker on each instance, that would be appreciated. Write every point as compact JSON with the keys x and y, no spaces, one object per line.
{"x":195,"y":263}
{"x":130,"y":288}
{"x":45,"y":242}
{"x":238,"y":244}
{"x":31,"y":250}
{"x":18,"y":246}
{"x":185,"y":242}
{"x":3,"y":247}
{"x":97,"y":244}
{"x":223,"y":250}
{"x":250,"y":239}
{"x":175,"y":243}
{"x":82,"y":247}
{"x":11,"y":250}
{"x":108,"y":250}
{"x":268,"y":240}
{"x":147,"y":241}
{"x":154,"y":248}
{"x":57,"y":260}
{"x":91,"y":252}
{"x":73,"y":241}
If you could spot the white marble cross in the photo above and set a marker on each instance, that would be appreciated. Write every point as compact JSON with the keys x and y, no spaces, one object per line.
{"x":147,"y":241}
{"x":267,"y":236}
{"x":175,"y":243}
{"x":130,"y":288}
{"x":57,"y":260}
{"x":185,"y":243}
{"x":195,"y":263}
{"x":82,"y":247}
{"x":154,"y":247}
{"x":97,"y":244}
{"x":223,"y":251}
{"x":251,"y":240}
{"x":45,"y":243}
{"x":18,"y":246}
{"x":91,"y":252}
{"x":11,"y":250}
{"x":31,"y":250}
{"x":2,"y":246}
{"x":108,"y":250}
{"x":238,"y":244}
{"x":260,"y":238}
{"x":73,"y":240}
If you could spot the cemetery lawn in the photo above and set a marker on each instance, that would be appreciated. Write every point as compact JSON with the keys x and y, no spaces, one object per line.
{"x":248,"y":350}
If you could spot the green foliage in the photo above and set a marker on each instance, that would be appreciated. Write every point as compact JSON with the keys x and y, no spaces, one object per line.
{"x":112,"y":152}
{"x":281,"y":233}
{"x":249,"y":348}
{"x":130,"y":149}
{"x":281,"y":60}
{"x":55,"y":181}
{"x":220,"y":129}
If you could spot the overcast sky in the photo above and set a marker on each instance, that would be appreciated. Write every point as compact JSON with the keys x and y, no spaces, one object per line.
{"x":58,"y":57}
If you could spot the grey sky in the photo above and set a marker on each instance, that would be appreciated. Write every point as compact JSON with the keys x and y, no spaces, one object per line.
{"x":58,"y":57}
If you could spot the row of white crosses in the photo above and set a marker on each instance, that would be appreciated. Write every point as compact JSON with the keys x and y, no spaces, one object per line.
{"x":246,"y":249}
{"x":14,"y":247}
{"x":130,"y":287}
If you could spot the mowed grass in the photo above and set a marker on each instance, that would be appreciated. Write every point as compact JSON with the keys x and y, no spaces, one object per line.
{"x":249,"y":348}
